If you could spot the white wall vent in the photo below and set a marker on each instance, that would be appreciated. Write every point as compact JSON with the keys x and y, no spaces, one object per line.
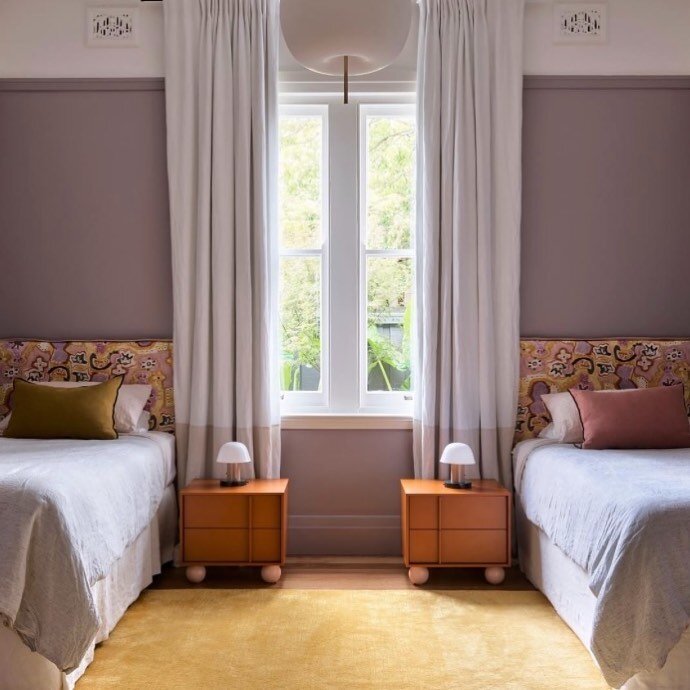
{"x":111,"y":26}
{"x":579,"y":22}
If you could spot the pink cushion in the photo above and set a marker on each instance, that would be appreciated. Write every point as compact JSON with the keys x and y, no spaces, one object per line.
{"x":637,"y":418}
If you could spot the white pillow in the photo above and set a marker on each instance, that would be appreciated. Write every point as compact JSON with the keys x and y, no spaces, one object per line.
{"x":129,"y":405}
{"x":566,"y":426}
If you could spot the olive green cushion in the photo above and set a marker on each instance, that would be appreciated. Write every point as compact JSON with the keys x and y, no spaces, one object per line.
{"x":44,"y":412}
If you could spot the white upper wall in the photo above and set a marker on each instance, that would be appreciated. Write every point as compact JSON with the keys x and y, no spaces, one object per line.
{"x":46,"y":38}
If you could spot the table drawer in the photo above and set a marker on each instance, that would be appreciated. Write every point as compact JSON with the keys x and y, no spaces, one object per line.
{"x":423,"y":512}
{"x":423,"y":546}
{"x":474,"y":512}
{"x":216,"y":545}
{"x":266,"y":511}
{"x":216,"y":511}
{"x":266,"y":546}
{"x":474,"y":546}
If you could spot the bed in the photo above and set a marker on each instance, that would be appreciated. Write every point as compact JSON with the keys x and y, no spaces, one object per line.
{"x":605,"y":535}
{"x":86,"y":524}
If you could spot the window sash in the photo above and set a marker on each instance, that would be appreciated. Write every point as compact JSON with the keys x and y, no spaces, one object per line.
{"x":343,"y":284}
{"x":293,"y":401}
{"x":399,"y":402}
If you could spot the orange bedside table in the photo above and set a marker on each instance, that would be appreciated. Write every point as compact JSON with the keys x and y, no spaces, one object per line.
{"x":455,"y":528}
{"x":240,"y":525}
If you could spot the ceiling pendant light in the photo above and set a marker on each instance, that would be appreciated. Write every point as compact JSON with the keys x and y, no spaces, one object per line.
{"x":345,"y":37}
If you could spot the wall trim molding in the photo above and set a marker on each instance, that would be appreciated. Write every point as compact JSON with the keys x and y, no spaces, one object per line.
{"x":582,"y":82}
{"x":349,"y":522}
{"x":84,"y":84}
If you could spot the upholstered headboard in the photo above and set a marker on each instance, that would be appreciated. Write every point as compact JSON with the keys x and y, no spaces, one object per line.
{"x":550,"y":366}
{"x":140,"y":361}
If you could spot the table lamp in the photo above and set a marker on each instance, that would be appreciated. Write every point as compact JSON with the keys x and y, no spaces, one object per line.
{"x":233,"y":455}
{"x":457,"y":455}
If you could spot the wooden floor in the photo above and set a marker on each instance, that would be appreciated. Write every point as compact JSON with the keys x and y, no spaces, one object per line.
{"x":308,"y":572}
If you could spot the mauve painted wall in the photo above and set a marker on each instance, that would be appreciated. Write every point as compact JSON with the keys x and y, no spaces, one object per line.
{"x":344,"y":493}
{"x":606,"y":207}
{"x":85,"y":249}
{"x":84,"y":228}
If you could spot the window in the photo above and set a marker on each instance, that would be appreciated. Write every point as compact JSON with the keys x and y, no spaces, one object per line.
{"x":346,"y":255}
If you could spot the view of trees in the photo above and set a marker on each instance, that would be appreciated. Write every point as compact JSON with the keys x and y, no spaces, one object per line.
{"x":389,"y":218}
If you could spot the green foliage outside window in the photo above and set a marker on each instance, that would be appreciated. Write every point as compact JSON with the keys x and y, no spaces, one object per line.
{"x":390,"y":195}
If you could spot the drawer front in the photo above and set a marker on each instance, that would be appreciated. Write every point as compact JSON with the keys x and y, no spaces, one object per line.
{"x":266,"y":511}
{"x":216,"y":511}
{"x":423,"y":546}
{"x":474,"y":512}
{"x":423,"y":512}
{"x":216,"y":545}
{"x":474,"y":546}
{"x":266,"y":546}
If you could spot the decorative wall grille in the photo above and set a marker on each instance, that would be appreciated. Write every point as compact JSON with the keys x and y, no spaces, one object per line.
{"x":579,"y":22}
{"x":111,"y":26}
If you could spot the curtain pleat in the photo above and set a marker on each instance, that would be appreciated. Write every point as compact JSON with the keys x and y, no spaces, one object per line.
{"x":221,"y":111}
{"x":469,"y":94}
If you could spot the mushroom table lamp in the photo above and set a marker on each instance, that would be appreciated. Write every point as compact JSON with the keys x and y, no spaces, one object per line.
{"x":458,"y":456}
{"x":233,"y":455}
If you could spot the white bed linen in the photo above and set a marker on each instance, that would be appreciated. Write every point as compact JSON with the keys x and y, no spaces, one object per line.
{"x":22,"y":669}
{"x":68,"y":512}
{"x":544,"y":505}
{"x":564,"y":584}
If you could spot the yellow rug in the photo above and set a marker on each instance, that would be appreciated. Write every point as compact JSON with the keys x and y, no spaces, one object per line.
{"x":298,"y":639}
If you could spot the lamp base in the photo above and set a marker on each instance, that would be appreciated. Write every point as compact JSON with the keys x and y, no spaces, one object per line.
{"x":234,"y":482}
{"x":458,"y":485}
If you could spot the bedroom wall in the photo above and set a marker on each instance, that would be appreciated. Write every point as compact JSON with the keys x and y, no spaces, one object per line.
{"x":604,"y":239}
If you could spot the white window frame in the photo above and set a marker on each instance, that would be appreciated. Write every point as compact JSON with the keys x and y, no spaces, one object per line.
{"x":343,"y":341}
{"x":396,"y":401}
{"x":314,"y":400}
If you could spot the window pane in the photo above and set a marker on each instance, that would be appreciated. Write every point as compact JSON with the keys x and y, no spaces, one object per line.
{"x":300,"y":323}
{"x":300,"y":181}
{"x":390,"y":181}
{"x":389,"y":323}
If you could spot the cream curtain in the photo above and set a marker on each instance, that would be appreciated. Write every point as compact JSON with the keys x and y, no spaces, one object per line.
{"x":469,"y":90}
{"x":221,"y":65}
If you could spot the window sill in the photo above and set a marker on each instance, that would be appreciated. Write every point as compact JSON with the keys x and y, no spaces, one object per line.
{"x":346,"y":421}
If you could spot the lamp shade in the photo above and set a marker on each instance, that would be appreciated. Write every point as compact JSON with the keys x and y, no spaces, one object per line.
{"x":457,"y":454}
{"x":320,"y":33}
{"x":233,"y":453}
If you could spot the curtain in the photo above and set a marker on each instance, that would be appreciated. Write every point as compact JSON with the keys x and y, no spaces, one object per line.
{"x":469,"y":90}
{"x":221,"y":62}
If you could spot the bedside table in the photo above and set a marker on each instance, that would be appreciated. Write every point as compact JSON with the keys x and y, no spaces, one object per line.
{"x":455,"y":528}
{"x":239,"y":525}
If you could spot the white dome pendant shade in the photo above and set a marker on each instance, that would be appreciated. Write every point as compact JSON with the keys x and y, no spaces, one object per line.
{"x":348,"y":37}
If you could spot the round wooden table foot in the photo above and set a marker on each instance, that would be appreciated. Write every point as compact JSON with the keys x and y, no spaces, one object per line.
{"x":418,"y":575}
{"x":271,"y":573}
{"x":495,"y":575}
{"x":196,"y":573}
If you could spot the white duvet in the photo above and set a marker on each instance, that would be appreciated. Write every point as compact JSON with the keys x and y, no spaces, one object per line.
{"x":624,"y":517}
{"x":68,"y":510}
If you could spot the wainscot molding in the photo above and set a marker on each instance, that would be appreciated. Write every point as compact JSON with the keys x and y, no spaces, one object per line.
{"x":580,"y":82}
{"x":84,"y":84}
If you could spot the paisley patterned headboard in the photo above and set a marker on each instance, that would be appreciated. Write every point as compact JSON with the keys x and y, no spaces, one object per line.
{"x":550,"y":366}
{"x":140,"y":361}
